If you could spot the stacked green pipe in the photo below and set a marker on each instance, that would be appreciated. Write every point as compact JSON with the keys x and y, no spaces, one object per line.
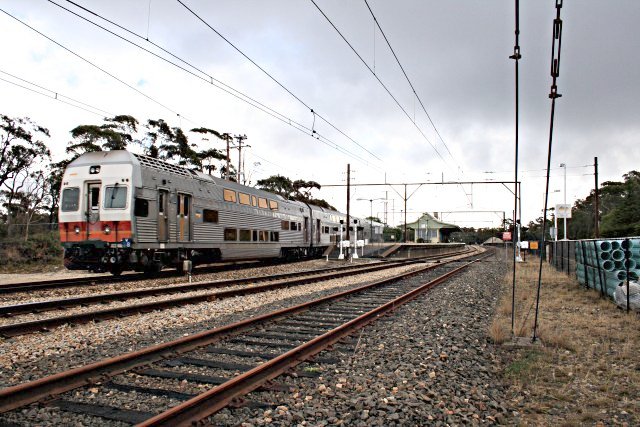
{"x":602,"y":264}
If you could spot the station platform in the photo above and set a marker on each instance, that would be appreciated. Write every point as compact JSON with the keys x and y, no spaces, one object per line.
{"x":389,"y":250}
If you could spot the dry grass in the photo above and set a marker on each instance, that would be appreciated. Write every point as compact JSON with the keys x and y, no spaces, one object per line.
{"x":587,"y":371}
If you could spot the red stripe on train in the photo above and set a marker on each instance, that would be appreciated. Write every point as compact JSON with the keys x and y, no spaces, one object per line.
{"x":118,"y":230}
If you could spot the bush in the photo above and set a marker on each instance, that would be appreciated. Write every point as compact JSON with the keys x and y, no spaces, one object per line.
{"x":41,"y":249}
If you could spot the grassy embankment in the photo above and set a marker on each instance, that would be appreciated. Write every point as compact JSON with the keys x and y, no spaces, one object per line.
{"x":41,"y":252}
{"x":588,"y":369}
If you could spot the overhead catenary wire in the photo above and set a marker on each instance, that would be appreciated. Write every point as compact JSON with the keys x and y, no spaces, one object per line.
{"x":209,"y":78}
{"x":56,"y":95}
{"x":379,"y":80}
{"x":197,"y":16}
{"x":282,"y":118}
{"x":408,"y":80}
{"x":77,"y":55}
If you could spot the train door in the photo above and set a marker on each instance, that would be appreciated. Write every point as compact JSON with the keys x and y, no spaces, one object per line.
{"x":318,"y":231}
{"x":163,"y":218}
{"x":305,"y":230}
{"x":93,"y":209}
{"x":184,"y":224}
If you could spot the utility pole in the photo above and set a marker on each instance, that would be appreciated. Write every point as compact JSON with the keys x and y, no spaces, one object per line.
{"x":240,"y":139}
{"x":227,"y":138}
{"x":386,"y":206}
{"x":348,"y":199}
{"x":596,"y":209}
{"x":405,"y":214}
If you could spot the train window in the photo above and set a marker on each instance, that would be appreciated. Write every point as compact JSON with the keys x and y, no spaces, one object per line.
{"x":275,"y":236}
{"x":185,"y":204}
{"x":264,"y":236}
{"x":245,"y":235}
{"x":70,"y":199}
{"x":273,"y":205}
{"x":209,"y":215}
{"x":285,"y":225}
{"x":255,"y":235}
{"x":294,"y":226}
{"x":115,"y":197}
{"x":244,"y":199}
{"x":262,"y":203}
{"x":141,"y":207}
{"x":94,"y":197}
{"x":161,"y":199}
{"x":230,"y":234}
{"x":254,"y":201}
{"x":229,"y":196}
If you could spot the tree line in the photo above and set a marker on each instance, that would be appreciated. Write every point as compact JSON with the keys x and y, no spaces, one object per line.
{"x":30,"y":180}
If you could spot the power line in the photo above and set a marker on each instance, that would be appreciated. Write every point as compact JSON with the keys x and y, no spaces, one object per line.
{"x":284,"y":119}
{"x":56,"y":95}
{"x":210,"y":80}
{"x":273,"y":78}
{"x":379,"y":81}
{"x":407,"y":77}
{"x":92,"y":64}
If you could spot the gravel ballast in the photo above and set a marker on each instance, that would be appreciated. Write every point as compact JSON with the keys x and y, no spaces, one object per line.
{"x":429,"y":363}
{"x":28,"y":357}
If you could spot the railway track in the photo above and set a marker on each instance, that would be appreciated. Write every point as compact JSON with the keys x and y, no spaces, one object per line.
{"x":79,"y":282}
{"x":230,"y":361}
{"x":276,"y":282}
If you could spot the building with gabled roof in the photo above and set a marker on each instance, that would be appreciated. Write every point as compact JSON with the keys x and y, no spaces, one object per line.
{"x":431,"y":230}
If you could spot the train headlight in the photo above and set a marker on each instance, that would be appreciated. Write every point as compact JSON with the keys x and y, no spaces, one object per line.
{"x":107,"y":229}
{"x":77,"y":229}
{"x":94,"y":170}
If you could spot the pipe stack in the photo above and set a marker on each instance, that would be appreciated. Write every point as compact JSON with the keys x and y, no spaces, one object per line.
{"x":602,"y":265}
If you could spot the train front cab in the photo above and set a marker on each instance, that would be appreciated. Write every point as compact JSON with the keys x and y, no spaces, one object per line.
{"x":95,"y":214}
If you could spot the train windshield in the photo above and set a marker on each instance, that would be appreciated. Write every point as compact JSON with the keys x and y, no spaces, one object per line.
{"x":70,"y":199}
{"x":115,"y":197}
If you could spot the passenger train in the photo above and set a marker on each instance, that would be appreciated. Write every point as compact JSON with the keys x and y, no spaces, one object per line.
{"x":124,"y":211}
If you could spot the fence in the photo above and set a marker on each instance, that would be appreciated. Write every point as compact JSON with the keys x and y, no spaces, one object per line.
{"x":561,"y":254}
{"x":603,"y":265}
{"x":19,"y":231}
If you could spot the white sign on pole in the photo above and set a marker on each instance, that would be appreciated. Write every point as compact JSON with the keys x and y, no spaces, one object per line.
{"x":524,"y":244}
{"x":563,"y":211}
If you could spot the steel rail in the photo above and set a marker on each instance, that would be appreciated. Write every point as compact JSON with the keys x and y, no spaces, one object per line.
{"x":97,"y":280}
{"x":44,"y":388}
{"x":21,"y":328}
{"x":212,"y":401}
{"x":108,"y":280}
{"x":30,"y":307}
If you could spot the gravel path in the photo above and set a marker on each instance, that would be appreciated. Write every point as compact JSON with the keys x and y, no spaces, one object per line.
{"x":428,"y":364}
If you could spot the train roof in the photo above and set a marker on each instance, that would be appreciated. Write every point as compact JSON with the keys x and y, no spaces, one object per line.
{"x":127,"y":157}
{"x":104,"y":157}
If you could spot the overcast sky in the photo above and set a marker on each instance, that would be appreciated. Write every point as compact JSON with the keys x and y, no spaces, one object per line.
{"x":455,"y":53}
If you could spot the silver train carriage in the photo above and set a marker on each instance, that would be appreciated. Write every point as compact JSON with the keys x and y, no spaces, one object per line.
{"x":124,"y":211}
